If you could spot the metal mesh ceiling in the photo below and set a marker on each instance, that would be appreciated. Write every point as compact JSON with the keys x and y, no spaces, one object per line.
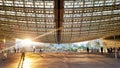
{"x":81,"y":20}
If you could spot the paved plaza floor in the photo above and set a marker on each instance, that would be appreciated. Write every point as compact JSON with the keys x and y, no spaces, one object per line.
{"x":59,"y":60}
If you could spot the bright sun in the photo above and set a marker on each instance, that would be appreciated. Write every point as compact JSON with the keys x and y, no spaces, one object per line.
{"x":27,"y":41}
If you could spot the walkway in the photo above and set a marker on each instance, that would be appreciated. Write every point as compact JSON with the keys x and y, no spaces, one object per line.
{"x":61,"y":60}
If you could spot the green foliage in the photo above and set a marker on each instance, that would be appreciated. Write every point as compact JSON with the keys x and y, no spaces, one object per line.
{"x":88,"y":45}
{"x":97,"y":44}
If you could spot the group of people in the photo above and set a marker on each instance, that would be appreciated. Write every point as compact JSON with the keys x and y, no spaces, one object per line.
{"x":101,"y":49}
{"x":5,"y":53}
{"x":112,"y":50}
{"x":22,"y":50}
{"x":40,"y":50}
{"x":109,"y":50}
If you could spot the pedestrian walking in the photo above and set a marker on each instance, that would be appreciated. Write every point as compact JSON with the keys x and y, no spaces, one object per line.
{"x":4,"y":56}
{"x":23,"y":54}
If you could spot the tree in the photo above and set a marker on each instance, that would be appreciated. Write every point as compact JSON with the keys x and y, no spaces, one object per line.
{"x":97,"y":44}
{"x":89,"y":45}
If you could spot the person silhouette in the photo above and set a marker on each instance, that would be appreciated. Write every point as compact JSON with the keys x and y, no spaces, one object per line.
{"x":23,"y":54}
{"x":87,"y":50}
{"x":101,"y":50}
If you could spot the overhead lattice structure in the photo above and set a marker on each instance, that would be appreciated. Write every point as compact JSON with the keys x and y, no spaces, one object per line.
{"x":60,"y":21}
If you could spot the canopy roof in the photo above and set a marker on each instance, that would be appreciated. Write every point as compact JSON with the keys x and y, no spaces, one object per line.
{"x":59,"y":21}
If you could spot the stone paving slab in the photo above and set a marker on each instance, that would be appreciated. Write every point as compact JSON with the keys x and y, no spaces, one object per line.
{"x":60,"y":60}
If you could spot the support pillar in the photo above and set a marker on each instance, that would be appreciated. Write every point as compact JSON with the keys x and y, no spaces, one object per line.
{"x":115,"y":48}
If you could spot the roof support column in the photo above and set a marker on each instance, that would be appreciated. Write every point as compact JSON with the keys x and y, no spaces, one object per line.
{"x":59,"y":10}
